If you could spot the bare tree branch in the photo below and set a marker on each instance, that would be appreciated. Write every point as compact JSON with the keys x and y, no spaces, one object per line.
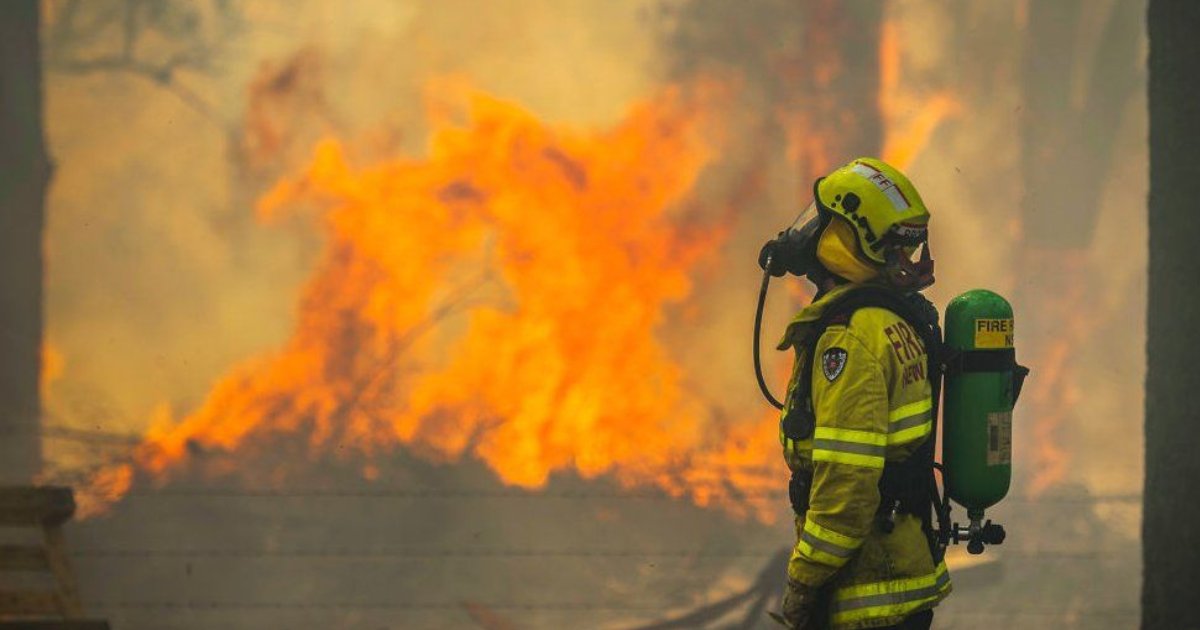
{"x":76,"y":26}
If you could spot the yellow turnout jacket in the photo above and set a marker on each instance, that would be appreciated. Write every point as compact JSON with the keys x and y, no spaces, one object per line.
{"x":872,"y":399}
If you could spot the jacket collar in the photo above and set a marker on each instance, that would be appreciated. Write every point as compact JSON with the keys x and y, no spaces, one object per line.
{"x":800,"y":324}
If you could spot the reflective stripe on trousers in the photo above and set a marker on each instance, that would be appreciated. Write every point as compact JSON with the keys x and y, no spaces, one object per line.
{"x":894,"y":598}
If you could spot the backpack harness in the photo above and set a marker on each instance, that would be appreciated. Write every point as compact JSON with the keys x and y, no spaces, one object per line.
{"x":907,"y":486}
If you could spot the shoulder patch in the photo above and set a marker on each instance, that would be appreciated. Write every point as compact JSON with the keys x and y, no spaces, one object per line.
{"x":833,"y":361}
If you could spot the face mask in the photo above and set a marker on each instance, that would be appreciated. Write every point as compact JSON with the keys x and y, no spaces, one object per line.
{"x":794,"y":250}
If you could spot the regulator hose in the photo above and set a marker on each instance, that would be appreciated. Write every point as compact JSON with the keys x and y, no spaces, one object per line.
{"x":762,"y":299}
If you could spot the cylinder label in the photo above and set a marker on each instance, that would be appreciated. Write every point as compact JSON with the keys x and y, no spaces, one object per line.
{"x":993,"y":333}
{"x":999,"y":450}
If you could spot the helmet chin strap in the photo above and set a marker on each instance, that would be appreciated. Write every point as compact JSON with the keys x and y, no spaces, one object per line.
{"x":904,"y":274}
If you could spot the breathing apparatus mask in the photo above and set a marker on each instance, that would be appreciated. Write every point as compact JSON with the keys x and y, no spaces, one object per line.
{"x":794,"y":250}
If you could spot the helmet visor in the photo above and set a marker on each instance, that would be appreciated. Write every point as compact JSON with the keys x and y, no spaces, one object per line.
{"x":805,"y":230}
{"x":806,"y":219}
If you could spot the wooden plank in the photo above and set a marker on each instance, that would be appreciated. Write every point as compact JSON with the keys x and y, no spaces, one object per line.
{"x":53,"y":624}
{"x":30,"y":505}
{"x":60,"y":566}
{"x":23,"y":558}
{"x":29,"y":603}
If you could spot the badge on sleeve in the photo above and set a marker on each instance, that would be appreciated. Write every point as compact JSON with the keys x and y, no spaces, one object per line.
{"x":833,"y":362}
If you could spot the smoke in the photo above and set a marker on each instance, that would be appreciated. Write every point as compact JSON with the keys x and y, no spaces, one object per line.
{"x":971,"y":175}
{"x":130,"y":189}
{"x":160,"y":278}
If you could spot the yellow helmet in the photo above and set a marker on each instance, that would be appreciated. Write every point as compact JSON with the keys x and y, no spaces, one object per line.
{"x":879,"y":202}
{"x":882,"y":222}
{"x":866,"y":220}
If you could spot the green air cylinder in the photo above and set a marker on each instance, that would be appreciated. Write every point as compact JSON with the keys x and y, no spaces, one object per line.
{"x":980,"y":390}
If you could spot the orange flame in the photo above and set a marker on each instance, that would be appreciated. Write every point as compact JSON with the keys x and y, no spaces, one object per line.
{"x":544,"y":361}
{"x":1055,"y":390}
{"x":54,"y":364}
{"x":909,"y":120}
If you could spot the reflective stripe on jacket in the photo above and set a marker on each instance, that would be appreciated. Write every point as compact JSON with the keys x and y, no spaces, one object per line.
{"x":872,"y":400}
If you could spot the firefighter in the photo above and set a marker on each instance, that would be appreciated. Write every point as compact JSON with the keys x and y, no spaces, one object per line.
{"x":860,"y":407}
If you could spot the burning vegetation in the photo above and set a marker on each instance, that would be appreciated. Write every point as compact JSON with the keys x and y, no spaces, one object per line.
{"x":502,"y":299}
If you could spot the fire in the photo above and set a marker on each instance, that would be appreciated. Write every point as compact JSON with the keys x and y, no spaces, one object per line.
{"x":910,"y":117}
{"x":53,"y":366}
{"x":904,"y":142}
{"x":499,"y":300}
{"x":1055,"y":391}
{"x":1050,"y":460}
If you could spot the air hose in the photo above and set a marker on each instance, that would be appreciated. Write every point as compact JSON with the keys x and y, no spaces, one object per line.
{"x":758,"y":314}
